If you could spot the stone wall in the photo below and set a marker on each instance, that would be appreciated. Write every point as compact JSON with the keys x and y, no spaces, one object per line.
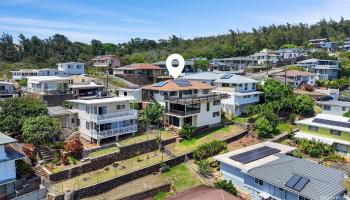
{"x":56,"y":99}
{"x":149,"y":193}
{"x":35,"y":195}
{"x":125,"y":152}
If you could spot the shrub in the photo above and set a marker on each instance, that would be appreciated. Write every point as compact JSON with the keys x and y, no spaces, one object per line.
{"x":297,"y":154}
{"x":164,"y":168}
{"x":57,"y":145}
{"x":64,"y":160}
{"x":291,"y":118}
{"x":205,"y":151}
{"x":75,"y":148}
{"x":186,"y":131}
{"x":204,"y":168}
{"x":56,"y":157}
{"x":24,"y":168}
{"x":227,"y":186}
{"x":72,"y":160}
{"x":263,"y":128}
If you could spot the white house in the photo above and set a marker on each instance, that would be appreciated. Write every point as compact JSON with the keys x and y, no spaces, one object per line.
{"x":7,"y":89}
{"x":290,"y":53}
{"x":105,"y":118}
{"x":8,"y":156}
{"x":72,"y":68}
{"x":232,"y":64}
{"x":135,"y":93}
{"x":47,"y":84}
{"x":240,"y":90}
{"x":26,"y":73}
{"x":265,"y":171}
{"x":266,"y":56}
{"x":334,"y":107}
{"x":186,"y":102}
{"x":295,"y":78}
{"x":323,"y":69}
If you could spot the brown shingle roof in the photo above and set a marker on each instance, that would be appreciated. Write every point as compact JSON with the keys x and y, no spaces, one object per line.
{"x":172,"y":86}
{"x":203,"y":193}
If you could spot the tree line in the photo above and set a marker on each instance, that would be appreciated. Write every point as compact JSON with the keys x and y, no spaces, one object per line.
{"x":58,"y":48}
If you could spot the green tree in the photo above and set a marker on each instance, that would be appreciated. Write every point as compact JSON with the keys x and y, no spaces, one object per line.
{"x":263,"y":127}
{"x":201,"y":65}
{"x":347,"y":114}
{"x":15,"y":110}
{"x":304,"y":105}
{"x":8,"y":50}
{"x":288,"y":46}
{"x":274,"y":90}
{"x":186,"y":131}
{"x":227,"y":186}
{"x":294,"y":67}
{"x":40,"y":129}
{"x":204,"y":168}
{"x":152,"y":113}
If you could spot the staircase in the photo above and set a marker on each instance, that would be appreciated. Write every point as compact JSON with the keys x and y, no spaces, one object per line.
{"x":45,"y":153}
{"x":69,"y":133}
{"x":39,"y":171}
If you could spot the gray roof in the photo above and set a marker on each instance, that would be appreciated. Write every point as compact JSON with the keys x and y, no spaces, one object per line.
{"x":216,"y":77}
{"x":4,"y":139}
{"x":334,"y":103}
{"x":58,"y":110}
{"x":187,"y":62}
{"x":324,"y":183}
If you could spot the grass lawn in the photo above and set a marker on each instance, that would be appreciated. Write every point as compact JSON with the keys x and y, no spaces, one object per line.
{"x":240,"y":119}
{"x":103,"y":152}
{"x":109,"y":172}
{"x":205,"y":137}
{"x":285,"y":127}
{"x":137,"y":138}
{"x":181,"y":178}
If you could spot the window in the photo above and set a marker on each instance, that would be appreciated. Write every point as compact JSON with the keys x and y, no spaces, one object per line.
{"x":335,"y":132}
{"x":216,"y":114}
{"x":87,"y":125}
{"x":216,"y":102}
{"x":208,"y":106}
{"x":72,"y":120}
{"x":246,"y":86}
{"x":281,"y":189}
{"x":87,"y":109}
{"x":343,"y":108}
{"x":125,"y":94}
{"x":258,"y":181}
{"x":341,"y":148}
{"x":119,"y":107}
{"x":256,"y":95}
{"x":240,"y":85}
{"x":225,"y":85}
{"x":205,"y":91}
{"x":326,"y":107}
{"x":313,"y":128}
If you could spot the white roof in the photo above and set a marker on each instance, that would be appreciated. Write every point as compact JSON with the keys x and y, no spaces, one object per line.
{"x":337,"y":118}
{"x":47,"y":78}
{"x":129,"y":89}
{"x":334,"y":103}
{"x":216,"y":77}
{"x":71,"y":63}
{"x":225,"y":158}
{"x":91,"y":85}
{"x":102,"y":100}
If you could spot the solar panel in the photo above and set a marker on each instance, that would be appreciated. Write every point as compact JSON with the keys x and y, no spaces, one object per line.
{"x":226,"y":76}
{"x":255,"y":154}
{"x":331,"y":122}
{"x":182,"y":82}
{"x":160,"y":84}
{"x":297,"y":183}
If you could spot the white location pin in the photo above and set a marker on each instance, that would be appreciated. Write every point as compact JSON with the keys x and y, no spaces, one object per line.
{"x":175,"y":71}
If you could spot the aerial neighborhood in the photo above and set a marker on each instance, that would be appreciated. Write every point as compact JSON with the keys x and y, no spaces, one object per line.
{"x":267,"y":119}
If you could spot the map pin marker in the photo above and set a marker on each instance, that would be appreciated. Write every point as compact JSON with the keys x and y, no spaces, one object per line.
{"x":175,"y":71}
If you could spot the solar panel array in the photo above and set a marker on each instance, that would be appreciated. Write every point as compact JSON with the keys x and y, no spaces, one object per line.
{"x":255,"y":154}
{"x":226,"y":76}
{"x":297,"y":183}
{"x":182,"y":82}
{"x":331,"y":122}
{"x":160,"y":84}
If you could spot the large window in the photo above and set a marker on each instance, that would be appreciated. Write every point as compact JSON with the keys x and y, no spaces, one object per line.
{"x":216,"y":102}
{"x":216,"y":114}
{"x":326,"y":107}
{"x":335,"y":132}
{"x":120,"y":107}
{"x":102,"y":110}
{"x":313,"y":128}
{"x":258,"y":181}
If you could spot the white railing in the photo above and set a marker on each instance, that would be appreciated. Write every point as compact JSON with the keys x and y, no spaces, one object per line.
{"x":116,"y":115}
{"x":224,"y":89}
{"x":113,"y":132}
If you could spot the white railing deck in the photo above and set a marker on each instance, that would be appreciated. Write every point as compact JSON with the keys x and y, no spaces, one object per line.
{"x":116,"y":115}
{"x":113,"y":132}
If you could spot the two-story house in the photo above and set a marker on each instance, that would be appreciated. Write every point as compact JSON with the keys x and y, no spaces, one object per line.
{"x":265,"y":56}
{"x":186,"y":102}
{"x":327,"y":128}
{"x":47,"y":84}
{"x":232,"y":64}
{"x":266,"y":172}
{"x":240,"y":90}
{"x":8,"y":156}
{"x":103,"y":119}
{"x":7,"y":89}
{"x":290,"y":53}
{"x":106,"y":61}
{"x":26,"y":73}
{"x":295,"y":78}
{"x":323,"y":69}
{"x":72,"y":68}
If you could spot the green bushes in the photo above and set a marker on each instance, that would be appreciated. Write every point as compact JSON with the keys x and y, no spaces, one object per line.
{"x":204,"y":167}
{"x":210,"y":149}
{"x":263,"y":128}
{"x":314,"y":148}
{"x":24,"y":168}
{"x":186,"y":131}
{"x":227,"y":186}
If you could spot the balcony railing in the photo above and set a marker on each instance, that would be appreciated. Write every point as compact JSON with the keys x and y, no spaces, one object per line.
{"x":192,"y":99}
{"x":113,"y":132}
{"x":117,"y":115}
{"x":44,"y":91}
{"x":181,"y":113}
{"x":225,"y":89}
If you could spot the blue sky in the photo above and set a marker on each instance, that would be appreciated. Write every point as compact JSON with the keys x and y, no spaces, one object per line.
{"x":120,"y":20}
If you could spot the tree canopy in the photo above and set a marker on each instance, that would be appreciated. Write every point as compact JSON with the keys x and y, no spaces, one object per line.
{"x":152,"y":113}
{"x":15,"y":110}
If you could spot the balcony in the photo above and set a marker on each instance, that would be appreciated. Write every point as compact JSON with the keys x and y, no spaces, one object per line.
{"x":181,"y":113}
{"x":113,"y":132}
{"x":192,"y":99}
{"x":44,"y":91}
{"x":224,"y":89}
{"x":117,"y":116}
